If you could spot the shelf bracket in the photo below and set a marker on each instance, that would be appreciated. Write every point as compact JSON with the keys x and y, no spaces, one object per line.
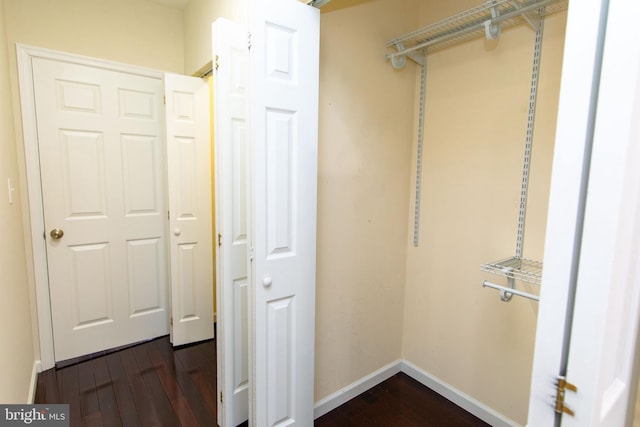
{"x":416,"y":58}
{"x":505,"y":296}
{"x":491,"y":28}
{"x":399,"y":60}
{"x":531,"y":17}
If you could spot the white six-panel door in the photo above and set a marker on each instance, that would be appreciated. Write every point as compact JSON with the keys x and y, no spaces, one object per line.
{"x":190,"y":208}
{"x":284,"y":82}
{"x":231,"y":109}
{"x":102,"y":167}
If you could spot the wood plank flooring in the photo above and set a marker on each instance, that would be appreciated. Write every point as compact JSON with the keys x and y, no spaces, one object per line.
{"x":152,"y":384}
{"x":399,"y":401}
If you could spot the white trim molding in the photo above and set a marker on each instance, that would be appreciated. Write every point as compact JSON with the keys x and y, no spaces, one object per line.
{"x":356,"y":388}
{"x":458,"y":397}
{"x":447,"y":391}
{"x":31,"y":397}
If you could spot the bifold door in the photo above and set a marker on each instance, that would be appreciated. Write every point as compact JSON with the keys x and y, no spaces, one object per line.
{"x":284,"y":65}
{"x":266,"y":101}
{"x":231,"y":110}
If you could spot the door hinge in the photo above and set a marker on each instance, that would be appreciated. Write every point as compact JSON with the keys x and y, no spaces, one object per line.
{"x":249,"y":41}
{"x":169,"y":215}
{"x":219,"y":239}
{"x":171,"y":321}
{"x":221,"y":399}
{"x":164,"y":99}
{"x":562,"y":385}
{"x":217,"y":63}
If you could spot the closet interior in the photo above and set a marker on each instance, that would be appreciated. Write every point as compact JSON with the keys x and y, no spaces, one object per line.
{"x":484,"y":20}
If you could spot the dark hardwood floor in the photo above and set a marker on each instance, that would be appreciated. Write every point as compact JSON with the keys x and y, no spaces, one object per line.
{"x":152,"y":384}
{"x":399,"y":401}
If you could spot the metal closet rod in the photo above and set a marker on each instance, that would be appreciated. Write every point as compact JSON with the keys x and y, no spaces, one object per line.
{"x":504,"y":289}
{"x":476,"y":27}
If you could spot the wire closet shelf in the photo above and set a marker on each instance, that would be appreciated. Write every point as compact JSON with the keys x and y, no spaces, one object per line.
{"x":485,"y":19}
{"x":522,"y":269}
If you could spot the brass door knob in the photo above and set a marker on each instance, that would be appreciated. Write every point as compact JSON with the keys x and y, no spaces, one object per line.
{"x":56,"y":233}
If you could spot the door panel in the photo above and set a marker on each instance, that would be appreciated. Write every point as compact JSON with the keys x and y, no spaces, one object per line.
{"x":145,"y":260}
{"x":189,"y":176}
{"x":607,"y":308}
{"x":284,"y":54}
{"x":141,"y":186}
{"x":589,"y":334}
{"x":91,"y":293}
{"x":100,"y":146}
{"x":231,"y":123}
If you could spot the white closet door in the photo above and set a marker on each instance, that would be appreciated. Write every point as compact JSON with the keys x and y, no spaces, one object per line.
{"x":102,"y":168}
{"x":190,"y":225}
{"x":284,"y":65}
{"x":231,"y":53}
{"x":607,"y":309}
{"x":607,"y":299}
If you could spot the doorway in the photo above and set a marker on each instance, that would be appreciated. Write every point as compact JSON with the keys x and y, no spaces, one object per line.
{"x":97,"y":128}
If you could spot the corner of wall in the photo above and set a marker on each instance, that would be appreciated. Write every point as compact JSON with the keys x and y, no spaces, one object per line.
{"x":363,"y":180}
{"x":17,"y":356}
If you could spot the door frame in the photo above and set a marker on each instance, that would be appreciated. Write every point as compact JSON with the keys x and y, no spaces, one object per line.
{"x":25,"y":54}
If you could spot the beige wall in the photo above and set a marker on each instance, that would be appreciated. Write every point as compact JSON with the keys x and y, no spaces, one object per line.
{"x":135,"y":32}
{"x":16,"y":352}
{"x":476,"y":111}
{"x":198,"y":16}
{"x":475,"y":122}
{"x":476,"y":114}
{"x":365,"y":129}
{"x":636,"y":411}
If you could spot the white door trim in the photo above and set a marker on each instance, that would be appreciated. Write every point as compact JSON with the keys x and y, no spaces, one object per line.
{"x":25,"y":54}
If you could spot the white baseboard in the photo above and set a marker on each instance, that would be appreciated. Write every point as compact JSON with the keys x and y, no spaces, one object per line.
{"x":356,"y":388}
{"x":34,"y":381}
{"x":449,"y":392}
{"x":456,"y":396}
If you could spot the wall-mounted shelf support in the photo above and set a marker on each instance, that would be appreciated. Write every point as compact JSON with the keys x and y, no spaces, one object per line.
{"x":418,"y":186}
{"x":518,"y":267}
{"x":492,"y":26}
{"x":488,"y":20}
{"x":531,"y":17}
{"x":399,"y":61}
